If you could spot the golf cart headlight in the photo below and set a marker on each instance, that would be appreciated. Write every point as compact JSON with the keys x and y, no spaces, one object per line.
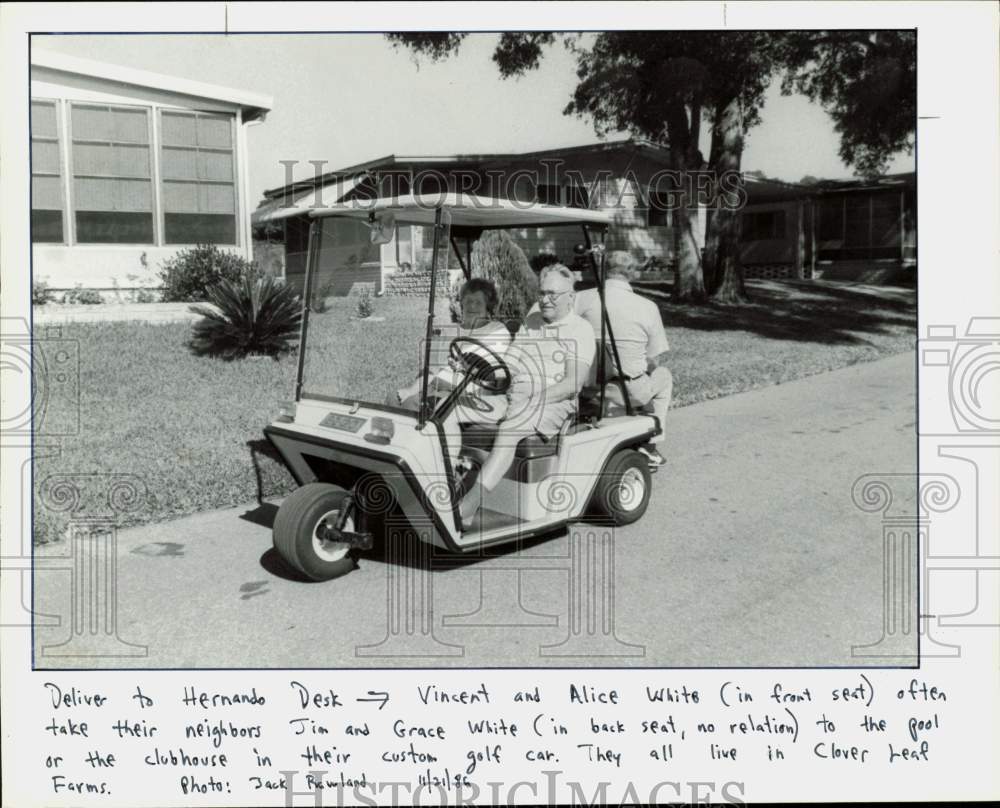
{"x":382,"y":430}
{"x":286,"y":412}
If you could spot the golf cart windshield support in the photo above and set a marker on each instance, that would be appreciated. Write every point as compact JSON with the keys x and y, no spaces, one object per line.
{"x":606,"y":332}
{"x":429,"y":335}
{"x":312,"y":261}
{"x":466,"y":263}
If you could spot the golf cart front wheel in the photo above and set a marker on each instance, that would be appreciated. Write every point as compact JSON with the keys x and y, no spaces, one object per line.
{"x":623,"y":491}
{"x":301,"y":534}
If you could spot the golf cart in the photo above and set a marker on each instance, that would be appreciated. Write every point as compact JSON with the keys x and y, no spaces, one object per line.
{"x":355,"y":458}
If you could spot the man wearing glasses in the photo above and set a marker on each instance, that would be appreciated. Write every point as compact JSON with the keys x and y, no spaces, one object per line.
{"x":549,"y":360}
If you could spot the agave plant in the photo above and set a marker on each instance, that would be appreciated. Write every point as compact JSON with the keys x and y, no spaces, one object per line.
{"x":250,"y":317}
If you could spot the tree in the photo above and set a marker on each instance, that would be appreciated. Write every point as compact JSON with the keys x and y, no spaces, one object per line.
{"x":496,"y":257}
{"x":739,"y":65}
{"x":866,"y":81}
{"x":661,"y":85}
{"x":649,"y":84}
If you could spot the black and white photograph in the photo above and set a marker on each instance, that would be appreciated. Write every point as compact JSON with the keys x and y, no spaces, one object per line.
{"x":435,"y":355}
{"x":519,"y":348}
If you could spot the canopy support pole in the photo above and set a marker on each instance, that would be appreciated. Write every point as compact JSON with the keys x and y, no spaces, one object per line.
{"x":429,"y":335}
{"x":312,"y":260}
{"x":607,"y":332}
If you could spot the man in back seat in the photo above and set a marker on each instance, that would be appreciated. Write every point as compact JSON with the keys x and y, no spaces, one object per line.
{"x":549,"y":362}
{"x":641,"y":340}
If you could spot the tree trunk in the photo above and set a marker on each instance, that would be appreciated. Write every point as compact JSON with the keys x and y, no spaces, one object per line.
{"x":711,"y":250}
{"x":712,"y":225}
{"x":689,"y":285}
{"x":728,"y":272}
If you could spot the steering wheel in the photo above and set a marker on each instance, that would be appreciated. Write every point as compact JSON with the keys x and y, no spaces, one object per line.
{"x":483,"y":372}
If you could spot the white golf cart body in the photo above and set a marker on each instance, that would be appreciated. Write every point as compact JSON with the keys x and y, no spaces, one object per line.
{"x":399,"y":456}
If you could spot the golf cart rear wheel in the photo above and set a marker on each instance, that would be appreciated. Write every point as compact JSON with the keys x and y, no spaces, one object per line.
{"x":298,"y":538}
{"x":623,"y":490}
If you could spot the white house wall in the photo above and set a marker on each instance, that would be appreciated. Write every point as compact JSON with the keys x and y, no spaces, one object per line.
{"x":126,"y":266}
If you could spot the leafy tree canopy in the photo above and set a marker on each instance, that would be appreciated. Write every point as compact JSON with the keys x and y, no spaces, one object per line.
{"x":866,"y":81}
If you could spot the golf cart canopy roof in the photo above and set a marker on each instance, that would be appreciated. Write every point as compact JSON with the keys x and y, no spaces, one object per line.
{"x":466,"y":211}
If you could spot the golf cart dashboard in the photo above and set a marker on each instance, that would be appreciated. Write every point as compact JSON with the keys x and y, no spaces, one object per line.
{"x":346,"y":423}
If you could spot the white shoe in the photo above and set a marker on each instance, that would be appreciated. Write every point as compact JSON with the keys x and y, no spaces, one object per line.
{"x":653,"y":457}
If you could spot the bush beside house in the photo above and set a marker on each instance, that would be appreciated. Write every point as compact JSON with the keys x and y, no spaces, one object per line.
{"x":188,"y":276}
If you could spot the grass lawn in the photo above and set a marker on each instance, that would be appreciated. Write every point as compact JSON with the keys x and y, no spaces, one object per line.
{"x":189,"y":428}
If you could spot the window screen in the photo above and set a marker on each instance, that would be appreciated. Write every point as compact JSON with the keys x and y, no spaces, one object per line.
{"x":112,"y":187}
{"x":198,"y":170}
{"x":763,"y":225}
{"x":860,"y":226}
{"x":46,"y":174}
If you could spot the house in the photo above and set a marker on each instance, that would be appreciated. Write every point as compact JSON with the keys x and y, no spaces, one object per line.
{"x":128,"y":167}
{"x":846,"y":229}
{"x":629,"y":179}
{"x":833,"y":229}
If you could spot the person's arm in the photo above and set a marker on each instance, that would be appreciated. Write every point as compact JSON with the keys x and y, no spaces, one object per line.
{"x":652,"y":363}
{"x":574,"y":376}
{"x":577,"y":366}
{"x":656,"y":337}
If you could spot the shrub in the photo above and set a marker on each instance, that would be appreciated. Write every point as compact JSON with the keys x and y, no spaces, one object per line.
{"x":87,"y":297}
{"x":40,"y":293}
{"x":542,"y":260}
{"x":255,"y":316}
{"x":654,"y":264}
{"x":365,"y":303}
{"x":146,"y":296}
{"x":189,"y":274}
{"x":497,"y":258}
{"x":320,"y":297}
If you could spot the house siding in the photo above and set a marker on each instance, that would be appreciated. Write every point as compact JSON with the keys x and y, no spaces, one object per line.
{"x":120,"y":266}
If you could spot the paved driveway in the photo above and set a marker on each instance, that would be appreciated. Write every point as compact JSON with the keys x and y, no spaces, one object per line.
{"x":752,"y":553}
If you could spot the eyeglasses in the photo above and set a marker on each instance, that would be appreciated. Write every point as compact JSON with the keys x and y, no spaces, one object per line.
{"x":552,"y":295}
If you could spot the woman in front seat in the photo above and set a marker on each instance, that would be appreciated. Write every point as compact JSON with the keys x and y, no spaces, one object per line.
{"x":478,"y":299}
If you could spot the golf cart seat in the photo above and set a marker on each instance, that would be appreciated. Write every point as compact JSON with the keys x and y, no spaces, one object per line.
{"x":482,"y":437}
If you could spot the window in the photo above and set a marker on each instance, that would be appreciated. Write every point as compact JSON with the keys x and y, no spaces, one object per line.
{"x":764,"y":225}
{"x":660,"y":207}
{"x":46,"y":174}
{"x":860,"y":227}
{"x":831,"y":220}
{"x":198,"y":178}
{"x":112,"y":186}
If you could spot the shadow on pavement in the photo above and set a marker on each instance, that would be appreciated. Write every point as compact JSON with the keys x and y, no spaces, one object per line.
{"x":262,"y":515}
